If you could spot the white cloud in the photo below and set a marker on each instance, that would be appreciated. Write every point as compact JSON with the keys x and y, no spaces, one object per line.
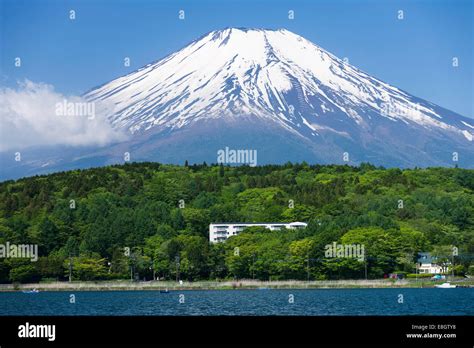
{"x":34,"y":114}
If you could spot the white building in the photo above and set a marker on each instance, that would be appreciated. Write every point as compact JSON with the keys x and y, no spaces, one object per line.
{"x":427,"y":264}
{"x":220,"y":232}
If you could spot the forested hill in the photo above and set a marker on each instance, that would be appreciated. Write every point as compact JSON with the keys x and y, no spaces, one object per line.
{"x":161,"y":213}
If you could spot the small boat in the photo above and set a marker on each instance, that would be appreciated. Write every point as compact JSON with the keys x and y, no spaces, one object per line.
{"x":33,"y":291}
{"x":445,"y":286}
{"x":166,"y":291}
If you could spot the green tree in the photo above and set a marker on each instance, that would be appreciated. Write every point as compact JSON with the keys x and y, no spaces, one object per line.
{"x":24,"y":273}
{"x":86,"y":268}
{"x":301,"y":253}
{"x":380,"y":246}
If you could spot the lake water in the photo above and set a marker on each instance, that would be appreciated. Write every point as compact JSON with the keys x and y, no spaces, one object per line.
{"x":244,"y":302}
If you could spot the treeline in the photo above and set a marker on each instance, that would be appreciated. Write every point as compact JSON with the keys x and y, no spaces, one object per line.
{"x":145,"y":220}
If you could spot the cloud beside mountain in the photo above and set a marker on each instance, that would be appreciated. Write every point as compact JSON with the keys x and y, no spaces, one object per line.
{"x":34,"y":114}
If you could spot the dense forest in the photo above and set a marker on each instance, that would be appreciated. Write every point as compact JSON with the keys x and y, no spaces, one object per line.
{"x":141,"y":220}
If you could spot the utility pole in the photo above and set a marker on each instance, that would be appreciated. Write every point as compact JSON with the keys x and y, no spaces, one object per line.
{"x":70,"y":268}
{"x":130,"y":260}
{"x":452,"y":264}
{"x":365,"y":267}
{"x":177,"y":268}
{"x":253,"y":266}
{"x":153,"y":267}
{"x":307,"y":269}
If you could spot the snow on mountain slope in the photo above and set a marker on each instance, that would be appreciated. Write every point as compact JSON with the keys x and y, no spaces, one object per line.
{"x":274,"y":75}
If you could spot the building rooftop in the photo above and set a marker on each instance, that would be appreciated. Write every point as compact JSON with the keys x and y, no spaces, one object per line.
{"x":425,"y":258}
{"x":257,"y":223}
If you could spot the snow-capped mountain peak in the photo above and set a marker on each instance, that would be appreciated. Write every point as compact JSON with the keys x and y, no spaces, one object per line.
{"x":274,"y":75}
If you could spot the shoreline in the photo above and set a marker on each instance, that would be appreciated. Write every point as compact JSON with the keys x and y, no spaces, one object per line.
{"x":126,"y":285}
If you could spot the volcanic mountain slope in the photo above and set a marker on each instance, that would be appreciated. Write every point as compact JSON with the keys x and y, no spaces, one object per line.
{"x":277,"y":93}
{"x":280,"y":86}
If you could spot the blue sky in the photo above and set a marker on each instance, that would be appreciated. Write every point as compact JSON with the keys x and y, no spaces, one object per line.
{"x":414,"y":54}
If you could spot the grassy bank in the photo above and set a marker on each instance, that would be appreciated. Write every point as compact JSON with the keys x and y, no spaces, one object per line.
{"x":226,"y":285}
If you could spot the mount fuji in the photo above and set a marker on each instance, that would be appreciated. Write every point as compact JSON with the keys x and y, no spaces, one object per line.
{"x":272,"y":91}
